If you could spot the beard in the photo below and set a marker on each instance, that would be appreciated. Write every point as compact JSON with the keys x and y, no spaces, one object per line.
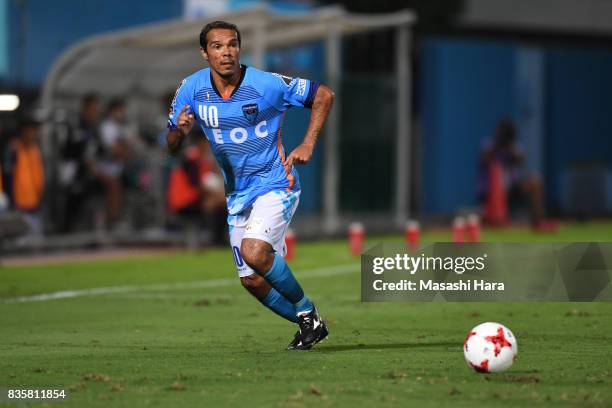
{"x":227,"y":72}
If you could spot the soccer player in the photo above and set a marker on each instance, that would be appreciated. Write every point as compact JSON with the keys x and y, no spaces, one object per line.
{"x":241,"y":111}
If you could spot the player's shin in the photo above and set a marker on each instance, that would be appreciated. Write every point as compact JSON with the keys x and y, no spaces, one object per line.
{"x":280,"y":305}
{"x":281,"y":278}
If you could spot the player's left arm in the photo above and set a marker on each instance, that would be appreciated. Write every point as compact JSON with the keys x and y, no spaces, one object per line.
{"x":321,"y":106}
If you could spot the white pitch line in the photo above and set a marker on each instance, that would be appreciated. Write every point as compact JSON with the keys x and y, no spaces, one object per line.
{"x":211,"y":283}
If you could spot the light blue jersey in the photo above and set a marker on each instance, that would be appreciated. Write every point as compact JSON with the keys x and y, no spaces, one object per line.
{"x":244,"y":130}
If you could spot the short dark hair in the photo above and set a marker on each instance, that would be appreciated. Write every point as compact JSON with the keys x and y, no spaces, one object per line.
{"x":217,"y":24}
{"x":505,"y":134}
{"x":115,"y":103}
{"x":89,"y":98}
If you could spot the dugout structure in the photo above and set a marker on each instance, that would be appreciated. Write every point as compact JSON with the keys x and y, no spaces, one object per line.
{"x":147,"y":61}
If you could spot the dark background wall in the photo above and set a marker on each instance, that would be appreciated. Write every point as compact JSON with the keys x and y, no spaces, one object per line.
{"x":578,"y":95}
{"x":468,"y":85}
{"x":39,"y":30}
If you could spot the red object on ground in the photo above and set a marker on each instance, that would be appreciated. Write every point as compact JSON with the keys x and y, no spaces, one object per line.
{"x":496,"y":206}
{"x":356,"y":237}
{"x":290,"y":245}
{"x":459,"y":229}
{"x":473,"y":228}
{"x":412,"y":233}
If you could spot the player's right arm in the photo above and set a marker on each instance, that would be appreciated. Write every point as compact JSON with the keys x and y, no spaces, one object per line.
{"x":184,"y":124}
{"x":180,"y":119}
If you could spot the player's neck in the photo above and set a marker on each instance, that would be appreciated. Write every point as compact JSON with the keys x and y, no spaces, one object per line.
{"x":226,"y":85}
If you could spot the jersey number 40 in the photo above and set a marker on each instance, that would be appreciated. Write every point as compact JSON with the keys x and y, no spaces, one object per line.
{"x":210,"y":115}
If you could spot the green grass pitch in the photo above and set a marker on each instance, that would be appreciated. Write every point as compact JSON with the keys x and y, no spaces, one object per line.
{"x":178,"y":330}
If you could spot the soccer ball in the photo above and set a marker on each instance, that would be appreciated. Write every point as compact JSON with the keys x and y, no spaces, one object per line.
{"x":490,"y":348}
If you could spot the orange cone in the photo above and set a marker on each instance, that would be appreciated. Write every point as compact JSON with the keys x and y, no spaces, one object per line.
{"x":473,"y":228}
{"x":412,"y":234}
{"x":459,"y":230}
{"x":356,"y":237}
{"x":290,"y":245}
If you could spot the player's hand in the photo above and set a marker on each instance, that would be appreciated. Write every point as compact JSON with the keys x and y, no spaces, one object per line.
{"x":185,"y":120}
{"x":301,"y":155}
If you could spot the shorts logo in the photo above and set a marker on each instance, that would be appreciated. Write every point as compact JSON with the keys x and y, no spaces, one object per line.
{"x":254,"y":225}
{"x":250,"y":111}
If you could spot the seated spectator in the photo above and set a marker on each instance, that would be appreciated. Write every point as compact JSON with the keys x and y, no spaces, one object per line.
{"x":78,"y":161}
{"x":195,"y":189}
{"x":114,"y":150}
{"x":504,"y":159}
{"x":4,"y":198}
{"x":28,"y":174}
{"x":4,"y":201}
{"x":6,"y":167}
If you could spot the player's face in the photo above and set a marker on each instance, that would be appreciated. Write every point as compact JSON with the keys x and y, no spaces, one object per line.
{"x":223,"y":52}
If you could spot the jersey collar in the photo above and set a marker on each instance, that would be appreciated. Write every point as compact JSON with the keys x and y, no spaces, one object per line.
{"x":242,"y":75}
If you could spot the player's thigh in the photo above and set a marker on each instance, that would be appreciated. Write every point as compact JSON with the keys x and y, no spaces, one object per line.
{"x":270,"y":217}
{"x":237,"y":225}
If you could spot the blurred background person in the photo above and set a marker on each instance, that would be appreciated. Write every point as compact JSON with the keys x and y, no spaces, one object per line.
{"x":195,"y":190}
{"x":4,"y":201}
{"x":501,"y":165}
{"x":27,"y":172}
{"x":114,"y":151}
{"x":4,"y":198}
{"x":79,"y":154}
{"x":6,"y":166}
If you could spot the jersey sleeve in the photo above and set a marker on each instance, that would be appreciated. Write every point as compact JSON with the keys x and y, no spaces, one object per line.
{"x":181,"y":98}
{"x":287,"y":92}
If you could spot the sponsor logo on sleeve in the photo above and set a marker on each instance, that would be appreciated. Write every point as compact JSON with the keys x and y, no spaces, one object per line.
{"x":301,"y":88}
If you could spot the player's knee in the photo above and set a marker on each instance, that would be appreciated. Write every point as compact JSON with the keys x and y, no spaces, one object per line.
{"x":257,"y":254}
{"x":256,"y":286}
{"x":252,"y":282}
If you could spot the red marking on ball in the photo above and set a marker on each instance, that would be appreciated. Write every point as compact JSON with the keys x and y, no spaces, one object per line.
{"x":498,"y":341}
{"x":470,"y":334}
{"x":482,"y":368}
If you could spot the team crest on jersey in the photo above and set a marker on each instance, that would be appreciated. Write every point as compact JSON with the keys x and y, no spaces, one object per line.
{"x":250,"y":111}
